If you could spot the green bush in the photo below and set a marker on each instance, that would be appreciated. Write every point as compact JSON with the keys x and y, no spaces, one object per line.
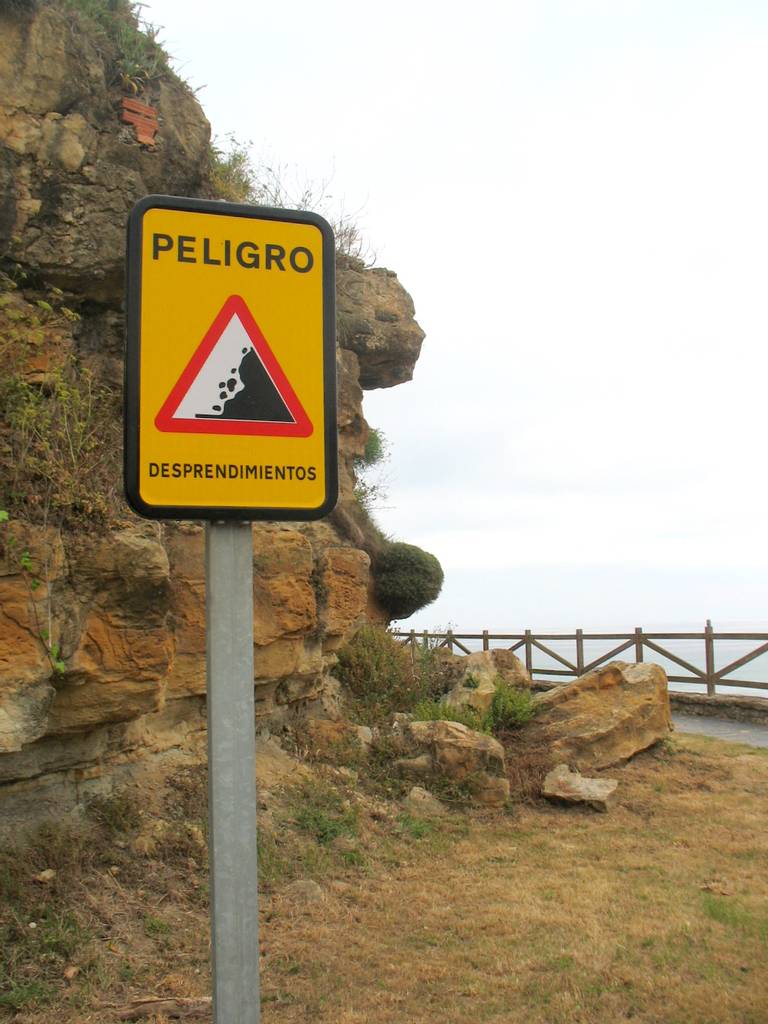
{"x":321,"y":811}
{"x":383,"y":676}
{"x":511,"y":707}
{"x":406,"y":579}
{"x":61,"y":453}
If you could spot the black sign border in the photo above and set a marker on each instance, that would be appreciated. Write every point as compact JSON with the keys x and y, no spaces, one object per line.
{"x":133,"y":362}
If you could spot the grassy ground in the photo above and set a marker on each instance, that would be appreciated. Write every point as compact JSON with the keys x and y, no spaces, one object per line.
{"x":656,"y":912}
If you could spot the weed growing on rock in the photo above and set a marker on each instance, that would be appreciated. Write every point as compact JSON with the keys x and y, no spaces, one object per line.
{"x":442,"y":711}
{"x":511,"y":707}
{"x":132,"y":45}
{"x":238,"y":178}
{"x":369,"y":484}
{"x":62,"y":445}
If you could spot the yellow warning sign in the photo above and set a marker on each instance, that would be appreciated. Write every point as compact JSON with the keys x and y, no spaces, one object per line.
{"x":230,"y":371}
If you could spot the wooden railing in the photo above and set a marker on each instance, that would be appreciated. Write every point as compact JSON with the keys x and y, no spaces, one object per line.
{"x":634,"y":645}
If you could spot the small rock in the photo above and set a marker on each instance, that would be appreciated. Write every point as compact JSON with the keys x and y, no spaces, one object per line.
{"x":337,"y":741}
{"x":491,"y":791}
{"x":195,"y":833}
{"x":421,"y":801}
{"x":46,"y":876}
{"x":71,"y":972}
{"x":562,"y":784}
{"x":304,"y":890}
{"x":365,"y":736}
{"x":114,"y":869}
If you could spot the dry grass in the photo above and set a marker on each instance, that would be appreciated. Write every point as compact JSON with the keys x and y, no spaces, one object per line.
{"x":655,"y":913}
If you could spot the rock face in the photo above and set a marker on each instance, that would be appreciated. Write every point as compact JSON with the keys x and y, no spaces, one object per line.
{"x":102,"y":646}
{"x":381,"y":332}
{"x":564,"y":786}
{"x":480,"y":672}
{"x":604,"y":717}
{"x":70,"y":171}
{"x":458,"y":755}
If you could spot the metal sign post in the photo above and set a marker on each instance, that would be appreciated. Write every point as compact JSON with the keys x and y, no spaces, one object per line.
{"x":231,"y":773}
{"x":230,"y":418}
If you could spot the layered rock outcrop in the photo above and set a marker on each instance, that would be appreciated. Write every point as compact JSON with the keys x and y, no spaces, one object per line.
{"x":102,"y":631}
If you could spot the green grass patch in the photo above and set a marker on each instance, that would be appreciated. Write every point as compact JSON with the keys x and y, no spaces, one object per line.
{"x":155,"y":926}
{"x":442,"y":711}
{"x":321,"y":811}
{"x":414,"y":828}
{"x":734,"y":915}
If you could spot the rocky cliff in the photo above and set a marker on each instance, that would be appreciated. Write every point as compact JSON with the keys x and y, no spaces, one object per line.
{"x":101,"y":614}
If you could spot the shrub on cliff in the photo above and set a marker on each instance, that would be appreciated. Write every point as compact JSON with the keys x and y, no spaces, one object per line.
{"x":383,"y":676}
{"x":407,"y":578}
{"x":374,"y":667}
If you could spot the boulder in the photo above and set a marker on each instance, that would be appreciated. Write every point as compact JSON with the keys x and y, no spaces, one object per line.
{"x":375,"y":321}
{"x":458,"y":755}
{"x":472,"y":678}
{"x":304,"y":890}
{"x":421,"y":802}
{"x":564,"y":786}
{"x":337,"y":741}
{"x":604,"y":717}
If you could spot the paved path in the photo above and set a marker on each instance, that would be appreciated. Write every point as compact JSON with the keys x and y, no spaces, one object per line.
{"x":723,"y":729}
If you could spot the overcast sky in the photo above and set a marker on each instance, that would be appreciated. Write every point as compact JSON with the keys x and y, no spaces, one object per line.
{"x":575,"y":192}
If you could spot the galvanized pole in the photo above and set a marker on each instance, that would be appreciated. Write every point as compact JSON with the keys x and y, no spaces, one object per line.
{"x":231,"y":773}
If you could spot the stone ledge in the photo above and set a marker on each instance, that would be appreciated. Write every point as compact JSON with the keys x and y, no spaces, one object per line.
{"x":731,"y":706}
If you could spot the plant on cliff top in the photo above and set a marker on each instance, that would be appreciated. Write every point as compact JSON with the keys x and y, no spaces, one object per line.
{"x":236,"y":177}
{"x":407,"y":578}
{"x":132,"y":44}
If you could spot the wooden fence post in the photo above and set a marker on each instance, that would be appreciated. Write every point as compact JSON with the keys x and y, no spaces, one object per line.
{"x":638,"y":643}
{"x":709,"y":657}
{"x":528,"y":653}
{"x":449,"y":639}
{"x":580,"y":652}
{"x":486,"y":644}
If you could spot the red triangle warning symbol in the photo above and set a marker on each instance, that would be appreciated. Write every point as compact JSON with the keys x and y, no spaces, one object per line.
{"x":233,"y":384}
